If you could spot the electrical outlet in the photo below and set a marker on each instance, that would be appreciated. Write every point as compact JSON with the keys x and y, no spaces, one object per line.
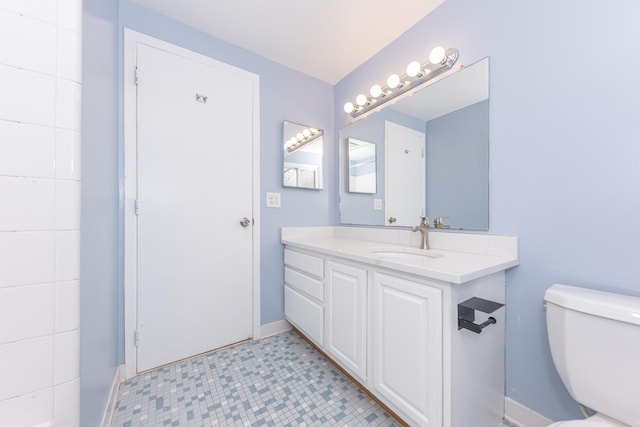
{"x":273,"y":200}
{"x":377,"y":204}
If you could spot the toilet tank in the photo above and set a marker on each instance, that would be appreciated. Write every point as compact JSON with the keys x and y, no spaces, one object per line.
{"x":594,"y":338}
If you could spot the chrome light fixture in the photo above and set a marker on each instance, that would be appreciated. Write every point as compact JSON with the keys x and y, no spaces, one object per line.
{"x":302,"y":139}
{"x":440,"y":60}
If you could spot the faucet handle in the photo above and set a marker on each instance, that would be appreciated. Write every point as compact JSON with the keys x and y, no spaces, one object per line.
{"x":424,"y":221}
{"x":439,"y":222}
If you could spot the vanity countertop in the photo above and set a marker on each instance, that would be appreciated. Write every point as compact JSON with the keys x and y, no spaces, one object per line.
{"x":464,"y":257}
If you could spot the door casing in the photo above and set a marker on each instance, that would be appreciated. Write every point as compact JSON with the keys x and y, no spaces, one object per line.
{"x":128,"y":185}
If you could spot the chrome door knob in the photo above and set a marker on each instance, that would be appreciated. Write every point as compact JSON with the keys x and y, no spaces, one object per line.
{"x":245,"y":222}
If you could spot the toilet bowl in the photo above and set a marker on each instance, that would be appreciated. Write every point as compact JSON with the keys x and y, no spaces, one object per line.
{"x":594,"y":338}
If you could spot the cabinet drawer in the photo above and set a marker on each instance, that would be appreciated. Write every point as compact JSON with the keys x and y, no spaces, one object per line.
{"x":307,"y":263}
{"x":301,"y":282}
{"x":305,"y":314}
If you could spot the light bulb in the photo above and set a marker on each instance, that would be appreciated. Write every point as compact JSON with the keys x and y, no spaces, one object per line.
{"x":293,"y":141}
{"x":306,"y":133}
{"x":313,"y":131}
{"x":375,"y":91}
{"x":393,"y":81}
{"x":413,"y":69}
{"x":348,"y":107}
{"x":299,"y":136}
{"x":437,"y":55}
{"x":361,"y":99}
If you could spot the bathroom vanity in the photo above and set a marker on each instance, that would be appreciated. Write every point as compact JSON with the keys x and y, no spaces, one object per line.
{"x":387,"y":313}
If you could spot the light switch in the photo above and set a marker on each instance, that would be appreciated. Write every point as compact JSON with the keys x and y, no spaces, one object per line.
{"x":377,"y":204}
{"x":273,"y":200}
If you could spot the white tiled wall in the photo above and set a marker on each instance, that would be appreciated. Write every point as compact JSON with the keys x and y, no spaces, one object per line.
{"x":40,"y":84}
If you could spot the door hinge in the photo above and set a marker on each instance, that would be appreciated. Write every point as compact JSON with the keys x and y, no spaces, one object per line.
{"x":136,"y":338}
{"x":137,"y":207}
{"x":137,"y":76}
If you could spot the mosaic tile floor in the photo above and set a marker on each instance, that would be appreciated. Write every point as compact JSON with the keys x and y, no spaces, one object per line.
{"x":279,"y":381}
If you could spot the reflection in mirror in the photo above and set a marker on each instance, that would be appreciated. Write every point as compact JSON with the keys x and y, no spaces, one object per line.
{"x":303,"y":150}
{"x":453,"y":114}
{"x":362,"y":166}
{"x":404,"y":174}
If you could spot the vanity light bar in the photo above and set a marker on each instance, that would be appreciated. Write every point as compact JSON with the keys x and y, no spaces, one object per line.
{"x":302,"y":139}
{"x":440,"y":60}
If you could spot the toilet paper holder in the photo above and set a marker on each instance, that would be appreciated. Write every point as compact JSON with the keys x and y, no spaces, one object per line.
{"x":467,"y":313}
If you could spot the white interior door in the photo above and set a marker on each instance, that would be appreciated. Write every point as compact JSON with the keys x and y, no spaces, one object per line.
{"x":404,"y":175}
{"x":194,"y":185}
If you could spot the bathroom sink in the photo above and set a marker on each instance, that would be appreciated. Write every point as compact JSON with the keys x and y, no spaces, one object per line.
{"x":405,"y":253}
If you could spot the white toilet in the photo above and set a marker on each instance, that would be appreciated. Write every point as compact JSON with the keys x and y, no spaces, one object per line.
{"x":594,"y":338}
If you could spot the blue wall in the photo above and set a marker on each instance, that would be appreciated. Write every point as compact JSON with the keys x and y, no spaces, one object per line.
{"x":564,"y":168}
{"x":457,"y":167}
{"x":100,"y":323}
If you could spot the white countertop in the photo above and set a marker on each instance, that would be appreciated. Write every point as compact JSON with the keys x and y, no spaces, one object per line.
{"x":476,"y":255}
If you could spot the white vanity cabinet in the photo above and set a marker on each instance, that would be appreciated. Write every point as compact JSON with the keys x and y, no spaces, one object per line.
{"x":406,"y":346}
{"x":346,"y":317}
{"x":389,"y":317}
{"x":304,"y":293}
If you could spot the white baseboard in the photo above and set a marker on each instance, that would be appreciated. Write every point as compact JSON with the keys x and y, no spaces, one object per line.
{"x":274,"y":328}
{"x":113,"y":396}
{"x":522,"y":416}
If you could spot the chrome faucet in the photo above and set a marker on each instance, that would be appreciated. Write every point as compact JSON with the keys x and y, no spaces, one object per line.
{"x":423,"y":228}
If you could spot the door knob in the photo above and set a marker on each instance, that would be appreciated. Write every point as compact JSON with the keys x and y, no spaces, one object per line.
{"x":392,"y":220}
{"x":245,"y":222}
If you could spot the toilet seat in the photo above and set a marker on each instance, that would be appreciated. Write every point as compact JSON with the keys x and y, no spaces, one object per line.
{"x":594,"y":421}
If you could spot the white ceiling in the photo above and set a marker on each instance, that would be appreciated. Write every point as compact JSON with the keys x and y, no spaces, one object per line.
{"x":326,"y":39}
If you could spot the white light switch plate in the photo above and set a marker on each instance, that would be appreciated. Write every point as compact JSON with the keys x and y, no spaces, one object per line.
{"x":377,"y":204}
{"x":273,"y":200}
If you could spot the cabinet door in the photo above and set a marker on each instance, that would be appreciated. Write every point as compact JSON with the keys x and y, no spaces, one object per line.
{"x":407,"y":347}
{"x":346,"y":308}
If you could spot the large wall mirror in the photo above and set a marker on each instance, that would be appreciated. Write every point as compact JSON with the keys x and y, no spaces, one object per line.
{"x":303,"y":150}
{"x":432,"y":156}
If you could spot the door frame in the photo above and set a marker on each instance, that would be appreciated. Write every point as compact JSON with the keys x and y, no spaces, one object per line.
{"x":128,"y":185}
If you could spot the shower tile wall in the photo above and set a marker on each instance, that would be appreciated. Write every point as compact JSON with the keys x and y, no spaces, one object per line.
{"x":40,"y":83}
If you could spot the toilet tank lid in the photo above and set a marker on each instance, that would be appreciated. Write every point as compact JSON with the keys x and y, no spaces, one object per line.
{"x":624,"y":308}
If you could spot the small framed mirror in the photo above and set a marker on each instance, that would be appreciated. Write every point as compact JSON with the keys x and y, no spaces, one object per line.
{"x":362,"y":166}
{"x":303,"y":154}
